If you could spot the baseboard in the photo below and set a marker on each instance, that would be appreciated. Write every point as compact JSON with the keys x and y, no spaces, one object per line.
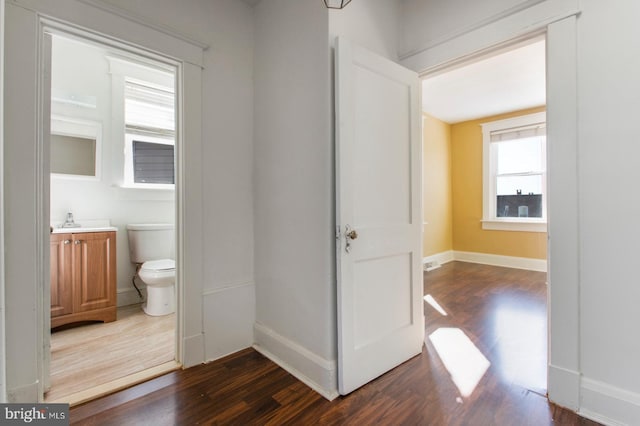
{"x":128,"y":296}
{"x":564,"y":387}
{"x":193,"y":350}
{"x":440,"y":258}
{"x":229,"y":314}
{"x":608,"y":404}
{"x":24,"y":394}
{"x":319,"y":374}
{"x":504,"y":261}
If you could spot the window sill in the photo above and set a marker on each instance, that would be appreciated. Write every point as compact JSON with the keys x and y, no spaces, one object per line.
{"x":152,"y":186}
{"x":147,"y":193}
{"x":515,"y":224}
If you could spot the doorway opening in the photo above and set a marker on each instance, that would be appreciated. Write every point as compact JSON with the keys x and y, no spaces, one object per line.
{"x":485,"y":192}
{"x":113,"y":149}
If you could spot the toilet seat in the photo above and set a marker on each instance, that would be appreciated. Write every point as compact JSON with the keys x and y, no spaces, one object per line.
{"x":159,"y":265}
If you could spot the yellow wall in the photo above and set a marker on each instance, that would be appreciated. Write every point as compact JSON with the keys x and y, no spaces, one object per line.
{"x":466,"y":187}
{"x":438,"y":233}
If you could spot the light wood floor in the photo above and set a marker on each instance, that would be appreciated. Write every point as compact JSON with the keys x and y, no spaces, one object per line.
{"x":86,"y":356}
{"x":501,"y":311}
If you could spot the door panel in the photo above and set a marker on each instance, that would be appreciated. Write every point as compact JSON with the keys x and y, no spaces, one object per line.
{"x":378,"y":215}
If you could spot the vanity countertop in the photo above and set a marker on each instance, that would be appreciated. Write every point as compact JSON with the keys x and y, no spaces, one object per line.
{"x":83,"y":229}
{"x":99,"y":225}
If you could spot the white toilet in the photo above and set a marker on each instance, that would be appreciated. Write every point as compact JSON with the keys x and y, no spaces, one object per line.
{"x":151,"y":248}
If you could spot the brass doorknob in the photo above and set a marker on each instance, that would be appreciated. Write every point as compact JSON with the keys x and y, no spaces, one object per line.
{"x":352,"y":235}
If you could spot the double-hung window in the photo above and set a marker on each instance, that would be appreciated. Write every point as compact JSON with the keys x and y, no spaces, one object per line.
{"x":515,"y":178}
{"x":149,"y":113}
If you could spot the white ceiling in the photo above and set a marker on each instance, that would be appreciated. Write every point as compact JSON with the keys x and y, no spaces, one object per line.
{"x":501,"y":83}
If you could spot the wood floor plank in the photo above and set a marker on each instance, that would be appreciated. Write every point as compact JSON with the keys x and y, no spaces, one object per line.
{"x":498,"y":311}
{"x":88,"y":355}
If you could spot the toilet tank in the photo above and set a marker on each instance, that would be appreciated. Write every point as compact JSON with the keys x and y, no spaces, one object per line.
{"x":151,"y":241}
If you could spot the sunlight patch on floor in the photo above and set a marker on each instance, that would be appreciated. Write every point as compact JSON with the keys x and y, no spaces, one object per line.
{"x":464,"y":361}
{"x":434,"y":304}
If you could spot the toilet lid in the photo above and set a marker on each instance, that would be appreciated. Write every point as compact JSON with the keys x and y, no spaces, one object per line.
{"x":159,"y":265}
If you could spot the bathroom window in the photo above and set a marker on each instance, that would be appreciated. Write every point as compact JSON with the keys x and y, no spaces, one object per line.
{"x":149,"y":113}
{"x":514,"y":181}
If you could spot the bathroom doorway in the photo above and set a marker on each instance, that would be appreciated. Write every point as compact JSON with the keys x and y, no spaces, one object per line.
{"x":113,"y":155}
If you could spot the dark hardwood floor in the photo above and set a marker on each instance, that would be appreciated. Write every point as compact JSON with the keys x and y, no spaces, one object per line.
{"x":483,"y":364}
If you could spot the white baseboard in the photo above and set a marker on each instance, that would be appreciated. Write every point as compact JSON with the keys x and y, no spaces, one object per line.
{"x":320,"y":374}
{"x":229,"y":314}
{"x":193,"y":350}
{"x":504,"y":261}
{"x":564,"y":387}
{"x":488,"y":259}
{"x":441,"y":258}
{"x":608,"y":404}
{"x":24,"y":394}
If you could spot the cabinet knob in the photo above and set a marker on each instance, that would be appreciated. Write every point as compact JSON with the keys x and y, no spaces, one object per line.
{"x":76,"y":242}
{"x":67,"y":242}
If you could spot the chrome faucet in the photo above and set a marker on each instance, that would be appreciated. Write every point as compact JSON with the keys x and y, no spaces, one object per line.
{"x":69,"y":223}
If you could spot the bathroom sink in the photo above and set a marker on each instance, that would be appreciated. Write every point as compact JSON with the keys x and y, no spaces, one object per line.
{"x":103,"y":225}
{"x":78,"y":229}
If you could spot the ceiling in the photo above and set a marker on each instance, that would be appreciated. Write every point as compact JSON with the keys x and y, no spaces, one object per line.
{"x":501,"y":83}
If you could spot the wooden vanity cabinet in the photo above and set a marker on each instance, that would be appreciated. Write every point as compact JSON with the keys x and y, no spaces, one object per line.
{"x":83,"y":277}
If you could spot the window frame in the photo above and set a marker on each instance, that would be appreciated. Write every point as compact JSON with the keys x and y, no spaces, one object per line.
{"x":129,"y":181}
{"x":490,"y":220}
{"x":122,"y":69}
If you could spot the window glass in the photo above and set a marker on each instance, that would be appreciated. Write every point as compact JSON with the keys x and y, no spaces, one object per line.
{"x":520,"y":155}
{"x":153,"y":162}
{"x":150,"y":135}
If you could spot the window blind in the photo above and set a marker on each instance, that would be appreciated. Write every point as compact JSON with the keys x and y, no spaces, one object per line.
{"x":539,"y":129}
{"x":148,"y":109}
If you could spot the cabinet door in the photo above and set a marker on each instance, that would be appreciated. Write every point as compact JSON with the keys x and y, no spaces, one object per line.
{"x":61,"y":276}
{"x":94,"y":269}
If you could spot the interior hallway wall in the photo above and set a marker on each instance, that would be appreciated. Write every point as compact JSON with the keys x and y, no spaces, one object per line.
{"x":593,"y":78}
{"x":218,"y":210}
{"x":227,"y":150}
{"x":3,"y":381}
{"x":294,"y":169}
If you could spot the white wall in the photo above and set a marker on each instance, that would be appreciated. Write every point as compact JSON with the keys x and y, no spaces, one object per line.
{"x":293,"y":169}
{"x":293,"y":166}
{"x":593,"y":81}
{"x":227,"y":152}
{"x":373,"y":24}
{"x":608,"y":102}
{"x":83,"y":70}
{"x":217,"y":210}
{"x":3,"y":382}
{"x":428,"y":22}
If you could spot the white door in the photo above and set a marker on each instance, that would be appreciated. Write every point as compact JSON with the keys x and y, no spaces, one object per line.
{"x":379,"y":215}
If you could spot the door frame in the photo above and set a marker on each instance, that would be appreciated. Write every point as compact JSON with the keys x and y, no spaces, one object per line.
{"x":46,"y":28}
{"x":563,"y":273}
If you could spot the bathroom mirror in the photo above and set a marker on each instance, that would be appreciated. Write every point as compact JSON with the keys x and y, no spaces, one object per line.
{"x":75,"y":148}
